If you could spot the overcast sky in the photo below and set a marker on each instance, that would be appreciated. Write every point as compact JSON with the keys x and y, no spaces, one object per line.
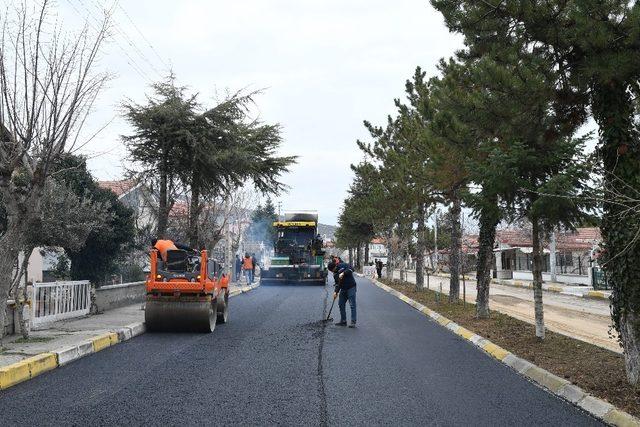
{"x":326,"y":66}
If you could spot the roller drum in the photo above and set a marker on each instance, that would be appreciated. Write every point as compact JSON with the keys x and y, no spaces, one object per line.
{"x":168,"y":314}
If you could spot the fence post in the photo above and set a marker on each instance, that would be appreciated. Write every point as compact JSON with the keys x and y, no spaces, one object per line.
{"x":58,"y":294}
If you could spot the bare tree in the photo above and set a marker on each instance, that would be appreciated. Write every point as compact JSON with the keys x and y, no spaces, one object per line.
{"x":65,"y":220}
{"x":48,"y":84}
{"x":216,"y":212}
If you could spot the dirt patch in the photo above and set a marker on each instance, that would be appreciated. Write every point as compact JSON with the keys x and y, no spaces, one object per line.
{"x":596,"y":370}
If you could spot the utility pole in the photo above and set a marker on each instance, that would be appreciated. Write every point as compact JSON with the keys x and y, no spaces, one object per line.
{"x":228,"y":255}
{"x":552,"y":256}
{"x":436,"y":241}
{"x":279,"y":208}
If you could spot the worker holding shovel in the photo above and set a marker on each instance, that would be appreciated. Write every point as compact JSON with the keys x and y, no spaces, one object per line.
{"x":345,"y":290}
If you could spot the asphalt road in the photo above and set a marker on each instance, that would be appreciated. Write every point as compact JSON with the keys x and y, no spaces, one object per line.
{"x":276,"y":362}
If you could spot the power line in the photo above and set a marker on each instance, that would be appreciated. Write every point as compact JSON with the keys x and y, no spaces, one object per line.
{"x":115,"y":26}
{"x":128,"y":39}
{"x":132,"y":63}
{"x":143,"y":36}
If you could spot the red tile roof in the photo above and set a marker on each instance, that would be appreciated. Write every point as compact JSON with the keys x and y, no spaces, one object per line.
{"x":470,"y":244}
{"x":581,"y":239}
{"x":119,"y":187}
{"x":513,"y":237}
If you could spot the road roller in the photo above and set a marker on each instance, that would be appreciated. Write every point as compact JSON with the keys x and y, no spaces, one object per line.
{"x":185,"y":293}
{"x":298,"y":252}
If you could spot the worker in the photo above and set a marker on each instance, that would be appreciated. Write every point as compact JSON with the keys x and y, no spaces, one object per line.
{"x":316,"y":246}
{"x":254,"y":262}
{"x":247,"y":268}
{"x":345,"y":290}
{"x":238,"y":267}
{"x":379,"y":266}
{"x":165,"y":245}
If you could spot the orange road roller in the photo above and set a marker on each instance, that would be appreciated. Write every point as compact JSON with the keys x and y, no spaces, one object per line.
{"x":185,"y":293}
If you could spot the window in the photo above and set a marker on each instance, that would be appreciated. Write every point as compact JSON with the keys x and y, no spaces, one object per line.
{"x":564,"y":262}
{"x":547,"y":263}
{"x":523,"y":261}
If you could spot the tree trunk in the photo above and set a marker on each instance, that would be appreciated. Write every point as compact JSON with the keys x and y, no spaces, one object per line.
{"x":390,"y":256}
{"x":10,"y":244}
{"x":420,"y":246}
{"x":163,"y":202}
{"x":403,"y":261}
{"x":194,"y":214}
{"x":366,"y":254}
{"x":19,"y":293}
{"x":538,"y":265}
{"x":351,"y":256}
{"x":552,"y":256}
{"x":631,"y":341}
{"x":454,"y":254}
{"x":21,"y":207}
{"x":613,"y":111}
{"x":486,"y":240}
{"x":359,"y":257}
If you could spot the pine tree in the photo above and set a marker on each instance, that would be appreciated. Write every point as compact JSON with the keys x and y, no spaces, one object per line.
{"x":161,"y":131}
{"x":595,"y":47}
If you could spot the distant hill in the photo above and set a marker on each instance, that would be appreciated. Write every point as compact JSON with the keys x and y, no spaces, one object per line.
{"x":327,"y":230}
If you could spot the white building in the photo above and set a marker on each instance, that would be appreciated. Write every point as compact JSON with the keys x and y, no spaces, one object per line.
{"x":572,"y":253}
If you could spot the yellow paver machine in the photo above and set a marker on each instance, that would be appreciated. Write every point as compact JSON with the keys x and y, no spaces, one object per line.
{"x":298,"y":252}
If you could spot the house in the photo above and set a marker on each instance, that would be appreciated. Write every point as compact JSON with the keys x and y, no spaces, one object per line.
{"x":136,"y":196}
{"x":572,"y":252}
{"x":468,"y":256}
{"x":378,"y":249}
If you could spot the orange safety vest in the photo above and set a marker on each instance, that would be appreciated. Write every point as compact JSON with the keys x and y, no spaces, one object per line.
{"x":163,"y":246}
{"x":247,"y":264}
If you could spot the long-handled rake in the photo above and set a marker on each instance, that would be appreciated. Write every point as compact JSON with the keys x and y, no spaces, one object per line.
{"x":329,"y":318}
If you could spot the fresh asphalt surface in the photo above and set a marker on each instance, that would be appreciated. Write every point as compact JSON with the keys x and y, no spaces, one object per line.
{"x":276,"y":362}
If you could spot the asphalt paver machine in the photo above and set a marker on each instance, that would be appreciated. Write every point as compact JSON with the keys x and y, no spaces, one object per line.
{"x":298,"y":252}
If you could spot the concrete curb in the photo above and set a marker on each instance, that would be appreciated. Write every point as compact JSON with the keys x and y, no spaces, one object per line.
{"x":31,"y":367}
{"x":554,"y":384}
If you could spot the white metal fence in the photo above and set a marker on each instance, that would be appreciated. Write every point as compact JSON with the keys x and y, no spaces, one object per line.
{"x":59,"y":300}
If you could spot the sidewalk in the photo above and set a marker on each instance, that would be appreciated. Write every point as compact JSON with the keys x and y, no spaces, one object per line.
{"x":561,"y":288}
{"x":74,"y":338}
{"x":556,"y":287}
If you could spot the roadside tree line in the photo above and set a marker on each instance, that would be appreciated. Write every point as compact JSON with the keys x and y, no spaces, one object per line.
{"x":497,"y":131}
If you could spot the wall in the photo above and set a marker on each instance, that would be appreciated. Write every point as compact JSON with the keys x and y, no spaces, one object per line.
{"x":114,"y":296}
{"x":34,"y":269}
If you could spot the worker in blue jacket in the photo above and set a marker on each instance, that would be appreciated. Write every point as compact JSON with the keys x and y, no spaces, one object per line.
{"x":345,"y":289}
